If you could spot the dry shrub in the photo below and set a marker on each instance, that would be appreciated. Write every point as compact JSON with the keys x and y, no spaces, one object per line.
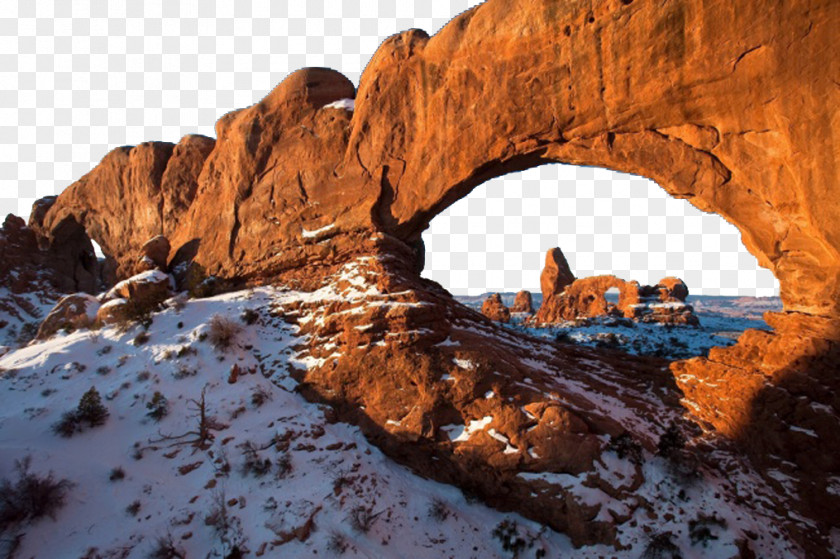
{"x":223,"y":331}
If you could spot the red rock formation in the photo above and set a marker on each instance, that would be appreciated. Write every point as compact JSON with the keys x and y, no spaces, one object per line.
{"x":154,"y":254}
{"x":294,"y":189}
{"x":523,"y":303}
{"x":494,"y":309}
{"x":72,"y":312}
{"x":672,"y":289}
{"x":556,"y":274}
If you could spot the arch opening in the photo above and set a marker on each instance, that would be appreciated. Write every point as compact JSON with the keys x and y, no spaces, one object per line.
{"x":607,"y":224}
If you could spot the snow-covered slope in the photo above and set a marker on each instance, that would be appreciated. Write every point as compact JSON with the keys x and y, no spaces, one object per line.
{"x":275,"y":475}
{"x":321,"y":475}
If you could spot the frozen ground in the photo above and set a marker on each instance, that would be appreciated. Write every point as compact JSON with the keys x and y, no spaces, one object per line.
{"x":273,"y":475}
{"x":722,"y":320}
{"x":325,"y":490}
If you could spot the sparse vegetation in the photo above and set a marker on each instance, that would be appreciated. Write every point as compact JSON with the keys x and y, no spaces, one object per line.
{"x":362,"y":519}
{"x":103,"y":370}
{"x":158,"y":406}
{"x":284,"y":466}
{"x":183,"y":372}
{"x":661,"y":546}
{"x":185,"y":350}
{"x":249,"y":316}
{"x":626,"y":447}
{"x":136,"y":312}
{"x":134,"y":508}
{"x":226,"y":527}
{"x":141,"y":338}
{"x":337,"y":543}
{"x":259,"y":396}
{"x":31,"y":496}
{"x":117,"y":474}
{"x":165,"y":548}
{"x":223,"y":331}
{"x":507,"y":532}
{"x":90,"y":411}
{"x":438,"y":510}
{"x":671,"y":442}
{"x":254,"y":464}
{"x":202,"y":435}
{"x":700,"y":529}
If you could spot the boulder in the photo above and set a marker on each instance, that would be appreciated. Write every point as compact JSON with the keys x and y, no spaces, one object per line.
{"x":556,"y":274}
{"x":113,"y":312}
{"x":494,"y":309}
{"x":71,"y":312}
{"x":523,"y":303}
{"x":147,"y":289}
{"x":154,"y":254}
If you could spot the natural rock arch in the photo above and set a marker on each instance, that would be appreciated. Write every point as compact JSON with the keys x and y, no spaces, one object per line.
{"x":738,"y":127}
{"x":703,"y":98}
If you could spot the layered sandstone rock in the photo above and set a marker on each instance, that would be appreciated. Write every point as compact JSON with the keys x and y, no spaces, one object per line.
{"x":494,"y":308}
{"x":523,"y":303}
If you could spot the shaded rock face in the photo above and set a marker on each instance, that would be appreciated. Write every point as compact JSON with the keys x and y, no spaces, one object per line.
{"x":494,"y":309}
{"x":523,"y":303}
{"x":296,"y":187}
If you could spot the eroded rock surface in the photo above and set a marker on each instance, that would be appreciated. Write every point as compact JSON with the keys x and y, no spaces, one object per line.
{"x":494,"y":308}
{"x":523,"y":303}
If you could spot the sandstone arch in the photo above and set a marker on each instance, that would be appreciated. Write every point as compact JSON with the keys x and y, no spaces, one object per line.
{"x":636,"y":87}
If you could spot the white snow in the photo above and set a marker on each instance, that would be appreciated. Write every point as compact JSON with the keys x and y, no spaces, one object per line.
{"x":306,"y":234}
{"x":333,"y":467}
{"x":346,"y":104}
{"x":461,"y":433}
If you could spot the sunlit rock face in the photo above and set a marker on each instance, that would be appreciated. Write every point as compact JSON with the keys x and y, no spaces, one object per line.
{"x":318,"y":175}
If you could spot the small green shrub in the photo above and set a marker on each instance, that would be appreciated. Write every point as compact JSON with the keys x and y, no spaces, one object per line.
{"x":90,"y":411}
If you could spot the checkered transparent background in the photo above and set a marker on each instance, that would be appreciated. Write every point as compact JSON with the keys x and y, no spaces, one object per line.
{"x":80,"y":78}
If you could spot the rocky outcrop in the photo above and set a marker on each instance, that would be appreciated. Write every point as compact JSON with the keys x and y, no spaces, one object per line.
{"x":555,"y":275}
{"x":523,"y":303}
{"x":494,"y":308}
{"x":71,"y":313}
{"x":154,"y":255}
{"x":672,"y":290}
{"x":298,"y":186}
{"x":586,"y":297}
{"x":146,"y":289}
